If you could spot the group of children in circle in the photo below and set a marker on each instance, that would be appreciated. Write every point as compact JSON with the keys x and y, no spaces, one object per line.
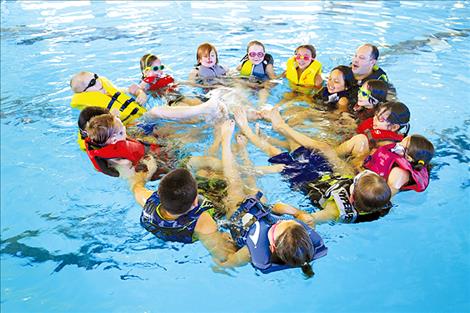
{"x":349,"y":183}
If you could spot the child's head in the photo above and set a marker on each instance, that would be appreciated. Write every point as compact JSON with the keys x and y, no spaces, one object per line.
{"x":255,"y":51}
{"x":85,"y":81}
{"x":418,"y":150}
{"x":150,"y":65}
{"x":207,"y":55}
{"x":341,"y":78}
{"x":393,"y":116}
{"x":105,"y":129}
{"x":178,"y":191}
{"x":304,"y":55}
{"x":369,"y":192}
{"x":291,"y":243}
{"x":372,"y":93}
{"x":85,"y":116}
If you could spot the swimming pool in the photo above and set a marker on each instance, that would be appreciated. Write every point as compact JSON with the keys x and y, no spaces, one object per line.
{"x":71,"y":239}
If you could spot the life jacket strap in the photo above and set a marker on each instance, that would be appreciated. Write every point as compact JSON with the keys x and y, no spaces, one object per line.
{"x":113,"y":99}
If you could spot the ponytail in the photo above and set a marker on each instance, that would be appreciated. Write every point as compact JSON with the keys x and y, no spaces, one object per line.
{"x":307,"y":270}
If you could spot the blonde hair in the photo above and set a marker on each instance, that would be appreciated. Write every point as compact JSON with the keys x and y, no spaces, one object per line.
{"x":100,"y":128}
{"x":77,"y":82}
{"x":255,"y":43}
{"x":205,"y":49}
{"x":146,"y":61}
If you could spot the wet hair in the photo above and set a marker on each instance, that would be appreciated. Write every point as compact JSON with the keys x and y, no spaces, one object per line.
{"x":348,"y":75}
{"x":421,"y":150}
{"x":308,"y":47}
{"x":101,"y":127}
{"x":205,"y":49}
{"x":378,"y":89}
{"x":371,"y":193}
{"x":254,"y":43}
{"x":399,"y":114}
{"x":177,"y":191}
{"x":146,"y":60}
{"x":85,"y":115}
{"x":374,"y":54}
{"x":76,"y":82}
{"x":294,"y":248}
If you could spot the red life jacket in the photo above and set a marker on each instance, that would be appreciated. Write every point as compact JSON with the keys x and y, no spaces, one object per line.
{"x":383,"y":160}
{"x":128,"y":149}
{"x":158,"y":83}
{"x":374,"y":135}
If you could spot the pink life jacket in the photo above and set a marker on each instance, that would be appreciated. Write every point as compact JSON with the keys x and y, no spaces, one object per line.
{"x":383,"y":160}
{"x":374,"y":135}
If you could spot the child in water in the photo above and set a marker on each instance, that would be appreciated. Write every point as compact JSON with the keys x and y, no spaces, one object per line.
{"x":258,"y":67}
{"x":270,"y":244}
{"x":257,"y":63}
{"x":405,"y":165}
{"x":337,"y":92}
{"x":384,"y":128}
{"x":155,"y":81}
{"x":176,"y":212}
{"x":370,"y":95}
{"x":304,"y":70}
{"x":207,"y":68}
{"x":310,"y":161}
{"x":109,"y":148}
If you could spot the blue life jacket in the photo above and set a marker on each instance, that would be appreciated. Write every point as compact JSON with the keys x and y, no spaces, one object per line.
{"x":256,"y":220}
{"x":302,"y":166}
{"x":181,"y":229}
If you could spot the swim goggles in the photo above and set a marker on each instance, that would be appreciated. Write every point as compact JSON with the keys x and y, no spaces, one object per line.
{"x":303,"y":57}
{"x":365,"y":93}
{"x":92,"y":82}
{"x":154,"y":68}
{"x":254,"y":54}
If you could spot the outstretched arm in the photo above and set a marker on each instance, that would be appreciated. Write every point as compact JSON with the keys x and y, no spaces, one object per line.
{"x":137,"y":186}
{"x":235,"y":192}
{"x":183,"y":112}
{"x":242,"y":121}
{"x":284,"y":129}
{"x":137,"y":181}
{"x":282,"y":208}
{"x":220,"y":245}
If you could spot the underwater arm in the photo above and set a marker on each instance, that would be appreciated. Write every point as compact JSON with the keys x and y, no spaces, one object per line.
{"x":329,"y":213}
{"x":283,"y":208}
{"x":219,"y":245}
{"x":237,"y":259}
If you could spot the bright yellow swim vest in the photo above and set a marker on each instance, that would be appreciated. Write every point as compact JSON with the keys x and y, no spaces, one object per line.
{"x":308,"y":75}
{"x":128,"y":108}
{"x":247,"y":68}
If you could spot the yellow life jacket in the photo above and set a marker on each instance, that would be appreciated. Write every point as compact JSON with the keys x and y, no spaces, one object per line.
{"x":247,"y":68}
{"x":307,"y":78}
{"x":128,"y":108}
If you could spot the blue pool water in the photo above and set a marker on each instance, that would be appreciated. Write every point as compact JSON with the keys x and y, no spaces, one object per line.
{"x":70,"y":237}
